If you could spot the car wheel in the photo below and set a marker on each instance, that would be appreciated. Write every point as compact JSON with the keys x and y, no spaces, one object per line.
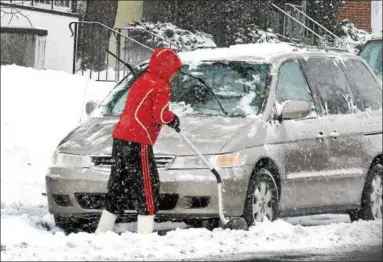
{"x":262,"y":198}
{"x":76,"y":224}
{"x":372,"y":196}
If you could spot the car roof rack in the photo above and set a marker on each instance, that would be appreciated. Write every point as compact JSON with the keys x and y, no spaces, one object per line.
{"x":314,"y":48}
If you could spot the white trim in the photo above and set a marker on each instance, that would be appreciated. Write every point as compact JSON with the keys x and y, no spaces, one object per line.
{"x":334,"y":173}
{"x":162,"y":112}
{"x":136,"y":117}
{"x":161,"y":52}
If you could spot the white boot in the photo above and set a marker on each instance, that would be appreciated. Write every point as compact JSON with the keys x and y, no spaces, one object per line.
{"x":145,"y":224}
{"x":106,"y":222}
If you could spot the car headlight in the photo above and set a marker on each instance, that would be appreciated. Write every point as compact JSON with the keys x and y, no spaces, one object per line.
{"x":194,"y":162}
{"x":70,"y":160}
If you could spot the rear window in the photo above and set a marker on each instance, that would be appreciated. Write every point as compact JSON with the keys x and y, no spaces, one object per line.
{"x":365,"y":89}
{"x":330,"y":83}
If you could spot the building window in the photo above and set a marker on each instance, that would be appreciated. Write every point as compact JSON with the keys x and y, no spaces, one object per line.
{"x":64,"y":3}
{"x":59,"y":5}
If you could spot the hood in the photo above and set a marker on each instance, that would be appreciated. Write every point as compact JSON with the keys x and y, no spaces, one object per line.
{"x":164,"y":63}
{"x":209,"y":134}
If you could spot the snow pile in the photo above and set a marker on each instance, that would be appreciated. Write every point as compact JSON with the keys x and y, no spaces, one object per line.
{"x":352,"y":38}
{"x":185,"y":39}
{"x":252,"y":34}
{"x":39,"y":108}
{"x":28,"y":241}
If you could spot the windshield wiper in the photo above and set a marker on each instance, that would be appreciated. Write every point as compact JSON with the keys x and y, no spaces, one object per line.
{"x":209,"y":88}
{"x":124,"y":63}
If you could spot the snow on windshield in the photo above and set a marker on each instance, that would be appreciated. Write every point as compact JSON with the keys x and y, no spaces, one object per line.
{"x":240,"y":87}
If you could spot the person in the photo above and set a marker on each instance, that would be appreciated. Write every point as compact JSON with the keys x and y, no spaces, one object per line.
{"x":134,"y":177}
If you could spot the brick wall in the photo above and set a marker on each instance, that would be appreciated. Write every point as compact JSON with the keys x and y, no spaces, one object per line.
{"x":358,"y":12}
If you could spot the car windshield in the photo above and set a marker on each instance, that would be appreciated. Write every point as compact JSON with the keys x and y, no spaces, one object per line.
{"x":372,"y":53}
{"x":240,"y":87}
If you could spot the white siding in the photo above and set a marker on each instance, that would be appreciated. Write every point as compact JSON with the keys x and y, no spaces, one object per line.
{"x":376,"y":17}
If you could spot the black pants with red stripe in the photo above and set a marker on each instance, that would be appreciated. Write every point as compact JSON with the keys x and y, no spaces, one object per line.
{"x":133,"y":180}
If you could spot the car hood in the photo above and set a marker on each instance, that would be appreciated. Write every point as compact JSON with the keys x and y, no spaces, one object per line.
{"x":209,"y":134}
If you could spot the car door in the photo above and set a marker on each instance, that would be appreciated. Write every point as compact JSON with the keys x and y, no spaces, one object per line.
{"x":366,"y":122}
{"x":343,"y":130}
{"x":305,"y":148}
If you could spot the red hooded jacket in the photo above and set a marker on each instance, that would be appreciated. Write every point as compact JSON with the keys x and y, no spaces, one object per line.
{"x":147,"y":104}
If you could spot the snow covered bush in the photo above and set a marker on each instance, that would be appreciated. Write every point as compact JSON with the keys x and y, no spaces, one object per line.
{"x":352,"y":37}
{"x":182,"y":38}
{"x":252,"y":34}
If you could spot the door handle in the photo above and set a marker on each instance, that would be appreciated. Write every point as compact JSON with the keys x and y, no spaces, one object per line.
{"x":334,"y":134}
{"x":321,"y":136}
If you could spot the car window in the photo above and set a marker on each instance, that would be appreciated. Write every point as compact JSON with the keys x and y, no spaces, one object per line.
{"x":372,"y":53}
{"x":114,"y":102}
{"x":292,"y":85}
{"x":365,"y":89}
{"x":328,"y":80}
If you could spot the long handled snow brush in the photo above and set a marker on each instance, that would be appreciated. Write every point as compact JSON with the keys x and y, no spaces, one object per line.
{"x":236,"y":223}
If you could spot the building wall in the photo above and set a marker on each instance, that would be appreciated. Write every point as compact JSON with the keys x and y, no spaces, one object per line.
{"x":127,"y":12}
{"x":59,"y":43}
{"x":358,"y":12}
{"x":376,"y":17}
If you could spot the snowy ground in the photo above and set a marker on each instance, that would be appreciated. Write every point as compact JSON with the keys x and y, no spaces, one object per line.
{"x":38,"y":108}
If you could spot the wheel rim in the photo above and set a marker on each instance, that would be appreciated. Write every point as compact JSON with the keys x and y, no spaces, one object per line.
{"x":376,"y":196}
{"x":262,"y":202}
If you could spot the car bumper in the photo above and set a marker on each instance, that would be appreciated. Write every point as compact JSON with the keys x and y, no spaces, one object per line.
{"x":185,"y":194}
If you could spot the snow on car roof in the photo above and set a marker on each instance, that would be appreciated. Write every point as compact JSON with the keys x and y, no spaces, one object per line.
{"x":259,"y":53}
{"x":245,"y":52}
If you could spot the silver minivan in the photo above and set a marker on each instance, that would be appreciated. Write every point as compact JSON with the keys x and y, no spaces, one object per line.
{"x":298,"y":132}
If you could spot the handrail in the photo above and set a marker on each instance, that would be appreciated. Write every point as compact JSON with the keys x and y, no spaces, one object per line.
{"x":109,"y":28}
{"x":147,"y":31}
{"x":318,"y":24}
{"x":287,"y":38}
{"x":297,"y":21}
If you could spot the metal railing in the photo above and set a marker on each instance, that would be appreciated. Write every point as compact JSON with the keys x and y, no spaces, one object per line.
{"x":297,"y":21}
{"x":132,"y":54}
{"x":92,"y":56}
{"x":171,"y":44}
{"x":313,"y":21}
{"x":296,"y":27}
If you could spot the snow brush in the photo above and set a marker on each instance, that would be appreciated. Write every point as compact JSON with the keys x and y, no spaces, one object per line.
{"x":235,"y":223}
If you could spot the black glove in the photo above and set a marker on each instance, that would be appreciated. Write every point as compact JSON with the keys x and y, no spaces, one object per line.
{"x":175,"y":124}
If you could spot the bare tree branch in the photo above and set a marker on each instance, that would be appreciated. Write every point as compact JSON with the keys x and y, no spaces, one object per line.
{"x":13,"y":12}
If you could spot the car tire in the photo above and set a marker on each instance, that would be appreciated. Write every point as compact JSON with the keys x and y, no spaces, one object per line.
{"x":76,"y":224}
{"x":371,"y":207}
{"x":262,"y":198}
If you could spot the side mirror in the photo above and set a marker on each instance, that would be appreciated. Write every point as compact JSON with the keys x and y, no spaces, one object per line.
{"x":90,"y":106}
{"x":295,"y":110}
